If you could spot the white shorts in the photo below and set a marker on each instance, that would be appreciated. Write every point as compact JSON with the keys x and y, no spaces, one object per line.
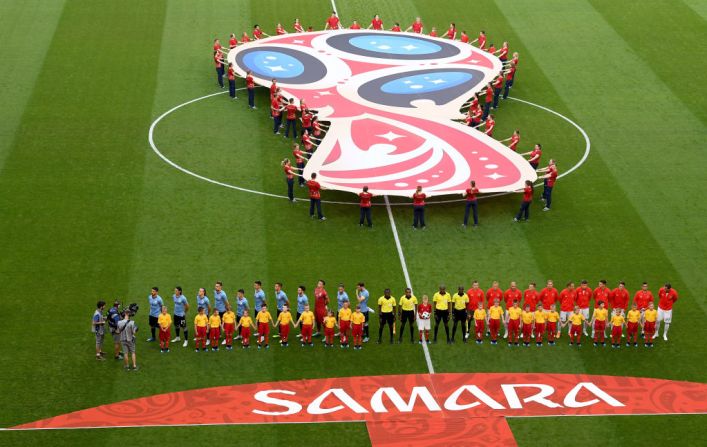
{"x":665,"y":315}
{"x":564,"y":315}
{"x":423,"y":325}
{"x":585,"y":312}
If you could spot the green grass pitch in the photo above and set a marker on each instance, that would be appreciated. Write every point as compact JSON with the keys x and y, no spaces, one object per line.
{"x":87,"y":210}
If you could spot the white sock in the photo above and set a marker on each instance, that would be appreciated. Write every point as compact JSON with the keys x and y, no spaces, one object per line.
{"x":665,"y":330}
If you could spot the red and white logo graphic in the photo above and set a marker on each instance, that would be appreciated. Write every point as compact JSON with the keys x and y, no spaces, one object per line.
{"x":415,"y":409}
{"x":391,"y":99}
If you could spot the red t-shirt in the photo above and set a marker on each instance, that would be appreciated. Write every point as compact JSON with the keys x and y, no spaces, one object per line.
{"x":553,"y":176}
{"x":471,"y":194}
{"x":217,"y":46}
{"x":482,"y":41}
{"x":365,"y":199}
{"x":488,"y":96}
{"x":314,"y":188}
{"x":257,"y":33}
{"x":333,"y":22}
{"x":298,"y":27}
{"x":602,"y":294}
{"x":249,"y":82}
{"x":288,"y":172}
{"x":275,"y":107}
{"x":306,"y":119}
{"x":306,"y":140}
{"x":619,"y":298}
{"x":512,"y":295}
{"x":280,"y":31}
{"x":493,"y":294}
{"x":477,"y":115}
{"x":422,"y":308}
{"x":299,"y":156}
{"x":355,"y":26}
{"x":511,"y":73}
{"x":503,"y":55}
{"x":291,"y":110}
{"x":567,"y":300}
{"x":433,"y":33}
{"x":584,"y":296}
{"x":231,"y":74}
{"x":549,"y":296}
{"x":396,"y":29}
{"x":536,"y":153}
{"x":530,"y":297}
{"x":464,"y":38}
{"x":491,"y":49}
{"x":515,"y":139}
{"x":488,"y":127}
{"x":476,"y":296}
{"x":642,"y":298}
{"x":245,"y":38}
{"x":321,"y":298}
{"x":232,"y":42}
{"x":498,"y":83}
{"x":317,"y":129}
{"x":418,"y":199}
{"x":528,"y":194}
{"x":451,"y":33}
{"x":417,"y":27}
{"x":217,"y":60}
{"x":377,"y":24}
{"x":666,"y":300}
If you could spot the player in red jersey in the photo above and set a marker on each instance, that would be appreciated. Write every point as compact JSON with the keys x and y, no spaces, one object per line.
{"x":535,"y":155}
{"x":315,"y":199}
{"x":481,"y":40}
{"x":549,"y":179}
{"x":258,"y":33}
{"x":643,"y":297}
{"x":418,"y":208}
{"x":396,"y":28}
{"x":493,"y":294}
{"x":424,"y":312}
{"x":488,"y":100}
{"x":497,"y":87}
{"x":524,"y":210}
{"x":549,"y":295}
{"x":531,"y":296}
{"x":218,"y":62}
{"x":667,"y":296}
{"x":476,"y":296}
{"x":602,"y":293}
{"x":584,"y":298}
{"x":510,"y":77}
{"x":416,"y":27}
{"x":321,"y":304}
{"x":355,"y":25}
{"x":365,"y":206}
{"x":464,"y":37}
{"x":514,"y":140}
{"x":298,"y":26}
{"x":232,"y":41}
{"x":489,"y":125}
{"x":568,"y":300}
{"x":471,"y":203}
{"x":300,"y":160}
{"x":376,"y":23}
{"x":245,"y":38}
{"x":332,"y":22}
{"x":451,"y":32}
{"x":503,"y":53}
{"x":290,"y":177}
{"x":619,"y":297}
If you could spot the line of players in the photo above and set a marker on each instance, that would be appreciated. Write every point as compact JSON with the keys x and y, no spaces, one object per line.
{"x":528,"y":315}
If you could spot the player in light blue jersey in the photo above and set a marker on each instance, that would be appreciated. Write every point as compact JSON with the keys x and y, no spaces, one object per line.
{"x":156,"y":304}
{"x":259,"y":296}
{"x":281,"y":301}
{"x":302,"y":302}
{"x":220,"y":298}
{"x":241,"y":307}
{"x":362,"y":298}
{"x":181,"y":306}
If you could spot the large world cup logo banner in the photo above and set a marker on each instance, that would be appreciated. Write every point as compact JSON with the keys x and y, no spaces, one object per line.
{"x":391,"y":100}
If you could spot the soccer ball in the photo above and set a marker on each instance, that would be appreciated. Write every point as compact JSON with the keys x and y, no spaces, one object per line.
{"x":425,"y":315}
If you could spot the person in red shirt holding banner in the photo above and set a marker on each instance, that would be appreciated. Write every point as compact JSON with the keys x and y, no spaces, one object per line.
{"x":365,"y":206}
{"x":307,"y":142}
{"x":218,"y":62}
{"x":332,"y":22}
{"x":250,"y":86}
{"x":433,"y":33}
{"x":290,"y":177}
{"x":321,"y":304}
{"x":315,"y":199}
{"x":280,"y":30}
{"x":300,"y":160}
{"x":491,"y":49}
{"x":376,"y":23}
{"x":549,"y":182}
{"x":258,"y":33}
{"x":619,"y":297}
{"x":451,"y":32}
{"x":306,"y":118}
{"x":481,"y":40}
{"x":245,"y":38}
{"x":464,"y":37}
{"x":527,"y":200}
{"x":488,"y":100}
{"x":514,"y":140}
{"x":231,"y":81}
{"x":416,"y":27}
{"x":418,"y":208}
{"x":667,"y":296}
{"x":396,"y":28}
{"x":232,"y":41}
{"x":489,"y":125}
{"x":217,"y":45}
{"x":298,"y":26}
{"x":355,"y":25}
{"x":510,"y":76}
{"x":497,"y":87}
{"x":276,"y":110}
{"x":503,"y":53}
{"x":535,"y":155}
{"x":568,"y":300}
{"x":531,"y":296}
{"x":476,"y":296}
{"x":476,"y":115}
{"x":549,"y":295}
{"x":471,"y":203}
{"x":584,"y":297}
{"x":291,"y":116}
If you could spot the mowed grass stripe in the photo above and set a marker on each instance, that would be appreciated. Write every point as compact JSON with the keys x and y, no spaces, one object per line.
{"x":70,"y":190}
{"x":23,"y":59}
{"x":390,"y":11}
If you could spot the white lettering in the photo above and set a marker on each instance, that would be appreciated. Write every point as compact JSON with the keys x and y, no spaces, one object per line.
{"x":539,"y":397}
{"x":316,"y":406}
{"x":452,"y":401}
{"x":571,"y":398}
{"x":405,"y":407}
{"x":264,"y":397}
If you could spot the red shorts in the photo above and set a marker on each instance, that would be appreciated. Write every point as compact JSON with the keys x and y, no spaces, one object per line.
{"x":200,"y":331}
{"x":576,"y":329}
{"x":631,"y":327}
{"x":344,"y":325}
{"x":616,"y":331}
{"x":357,"y":329}
{"x":214,"y":332}
{"x":229,"y":328}
{"x":306,"y":330}
{"x":263,"y":328}
{"x":599,"y":326}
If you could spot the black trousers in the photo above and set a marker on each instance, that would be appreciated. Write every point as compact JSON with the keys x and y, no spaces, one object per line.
{"x":459,"y":317}
{"x":418,"y":216}
{"x":389,"y":319}
{"x":443,"y":316}
{"x":318,"y":204}
{"x":365,"y":215}
{"x":290,"y":188}
{"x":407,"y":316}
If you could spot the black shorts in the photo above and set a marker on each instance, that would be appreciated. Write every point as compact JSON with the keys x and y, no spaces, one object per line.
{"x":238,"y":319}
{"x":441,"y":315}
{"x":387,"y":318}
{"x":153,"y":321}
{"x":408,"y":315}
{"x":180,"y":321}
{"x":460,"y":315}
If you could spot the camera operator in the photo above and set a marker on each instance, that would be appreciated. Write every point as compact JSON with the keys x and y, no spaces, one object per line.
{"x":98,"y":328}
{"x":113,"y":320}
{"x":128,"y":331}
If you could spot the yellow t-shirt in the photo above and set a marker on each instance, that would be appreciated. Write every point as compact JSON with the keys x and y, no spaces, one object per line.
{"x":617,"y":320}
{"x":495,"y":312}
{"x":408,"y":303}
{"x":480,"y":314}
{"x":514,"y":313}
{"x":540,"y":316}
{"x":601,"y":314}
{"x":386,"y":304}
{"x":633,"y":316}
{"x":527,"y":317}
{"x":345,"y":314}
{"x":576,"y":319}
{"x":650,"y":315}
{"x":214,"y":321}
{"x":329,"y":322}
{"x":307,"y":317}
{"x":460,"y":301}
{"x":201,"y":320}
{"x":263,"y":317}
{"x":229,"y":317}
{"x":284,"y":318}
{"x":442,"y":301}
{"x":164,"y":320}
{"x":553,"y":317}
{"x":358,"y":318}
{"x":246,"y":322}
